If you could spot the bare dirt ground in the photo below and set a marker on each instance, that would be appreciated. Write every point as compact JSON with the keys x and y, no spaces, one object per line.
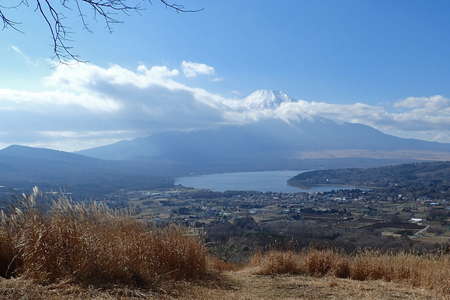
{"x":240,"y":285}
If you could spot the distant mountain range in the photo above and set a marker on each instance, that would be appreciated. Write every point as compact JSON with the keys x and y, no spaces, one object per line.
{"x":267,"y":144}
{"x":263,"y":138}
{"x":24,"y":167}
{"x":273,"y":143}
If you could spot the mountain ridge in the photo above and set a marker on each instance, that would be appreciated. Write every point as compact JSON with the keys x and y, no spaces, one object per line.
{"x":24,"y":167}
{"x":263,"y":137}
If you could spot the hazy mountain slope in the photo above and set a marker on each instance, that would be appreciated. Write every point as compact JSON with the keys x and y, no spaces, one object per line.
{"x":26,"y":166}
{"x":271,"y":142}
{"x":270,"y":139}
{"x":17,"y":151}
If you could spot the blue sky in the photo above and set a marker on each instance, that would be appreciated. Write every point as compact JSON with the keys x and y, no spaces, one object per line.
{"x":376,"y":53}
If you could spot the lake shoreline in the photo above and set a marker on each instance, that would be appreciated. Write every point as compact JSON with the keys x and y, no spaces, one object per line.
{"x":260,"y":181}
{"x":346,"y":186}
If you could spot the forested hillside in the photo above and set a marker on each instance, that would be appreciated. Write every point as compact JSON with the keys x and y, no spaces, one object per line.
{"x":25,"y":167}
{"x":428,"y":177}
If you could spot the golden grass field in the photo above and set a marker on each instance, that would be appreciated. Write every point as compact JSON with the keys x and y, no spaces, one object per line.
{"x":87,"y":251}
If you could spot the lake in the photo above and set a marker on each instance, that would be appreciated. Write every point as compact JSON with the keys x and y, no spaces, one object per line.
{"x":265,"y":181}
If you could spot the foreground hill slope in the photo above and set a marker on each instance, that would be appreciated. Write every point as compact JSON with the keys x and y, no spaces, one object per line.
{"x":235,"y":285}
{"x":88,"y":251}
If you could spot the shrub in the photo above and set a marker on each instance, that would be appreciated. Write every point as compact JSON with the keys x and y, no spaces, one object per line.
{"x":277,"y":262}
{"x":341,"y":268}
{"x":220,"y":265}
{"x":319,"y":262}
{"x":428,"y":271}
{"x":6,"y":254}
{"x":89,"y":243}
{"x":359,"y":269}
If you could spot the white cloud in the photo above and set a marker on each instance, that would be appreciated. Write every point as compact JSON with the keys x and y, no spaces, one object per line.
{"x":433,"y":102}
{"x":17,"y":50}
{"x":85,"y":105}
{"x":192,"y":69}
{"x":27,"y":58}
{"x":425,"y":118}
{"x":39,"y":101}
{"x":80,"y":98}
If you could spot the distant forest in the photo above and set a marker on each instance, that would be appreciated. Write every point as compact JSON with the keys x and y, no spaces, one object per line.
{"x":424,"y":178}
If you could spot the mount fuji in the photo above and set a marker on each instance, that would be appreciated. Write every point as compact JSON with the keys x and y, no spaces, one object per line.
{"x":266,"y":99}
{"x":271,"y":143}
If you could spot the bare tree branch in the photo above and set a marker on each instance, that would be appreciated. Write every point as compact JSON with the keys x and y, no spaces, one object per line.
{"x":178,"y":7}
{"x":52,"y":14}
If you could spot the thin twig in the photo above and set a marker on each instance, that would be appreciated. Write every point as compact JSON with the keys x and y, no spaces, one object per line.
{"x":54,"y":18}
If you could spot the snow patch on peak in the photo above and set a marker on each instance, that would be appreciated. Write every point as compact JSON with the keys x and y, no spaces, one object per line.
{"x":268,"y":104}
{"x":266,"y":99}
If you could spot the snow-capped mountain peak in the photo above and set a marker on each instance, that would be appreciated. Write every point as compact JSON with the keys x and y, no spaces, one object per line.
{"x":266,"y":99}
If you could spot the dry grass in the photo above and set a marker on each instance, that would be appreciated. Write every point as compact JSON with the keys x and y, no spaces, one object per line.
{"x":220,"y":265}
{"x":277,"y":262}
{"x":247,"y":285}
{"x":6,"y":252}
{"x":93,"y":245}
{"x":426,"y":271}
{"x":77,"y":251}
{"x":238,"y":285}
